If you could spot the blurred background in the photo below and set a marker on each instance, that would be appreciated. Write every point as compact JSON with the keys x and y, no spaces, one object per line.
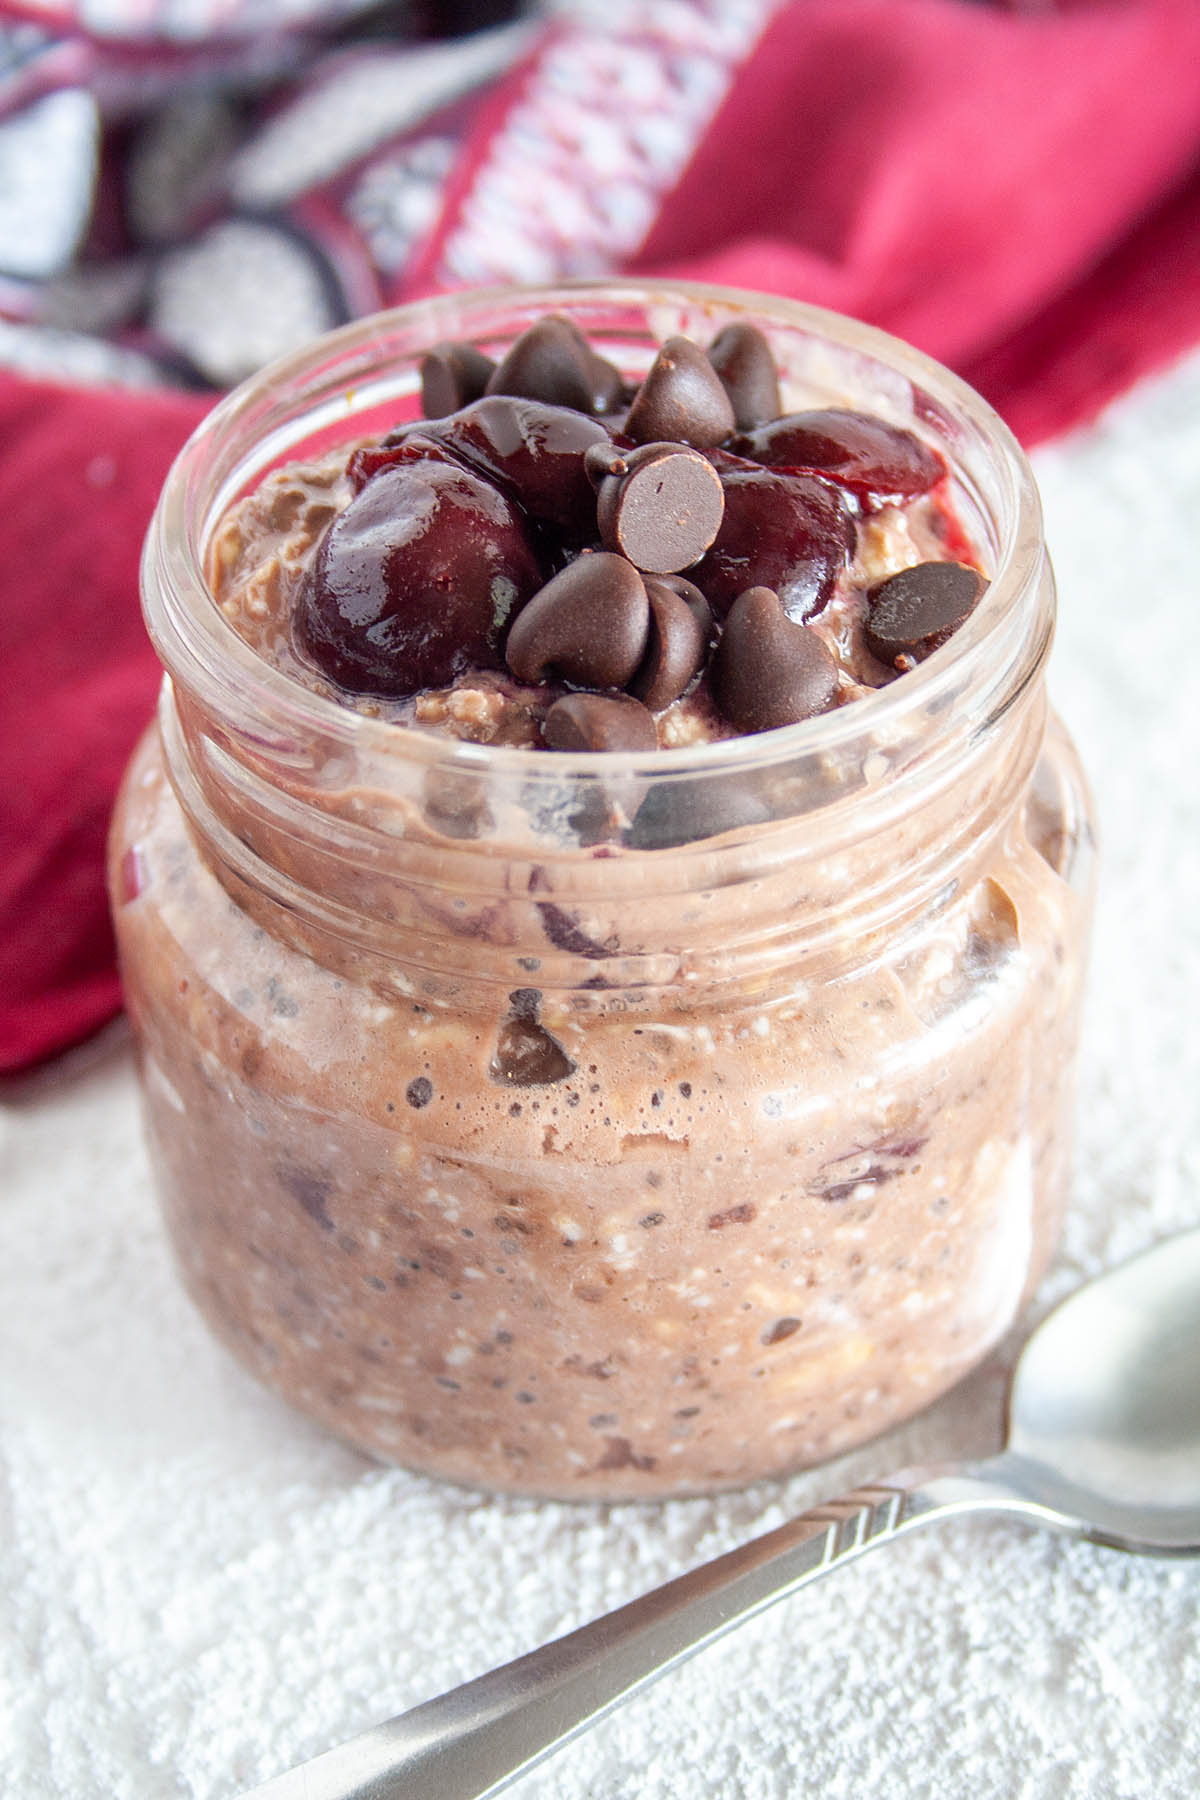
{"x":190,"y":188}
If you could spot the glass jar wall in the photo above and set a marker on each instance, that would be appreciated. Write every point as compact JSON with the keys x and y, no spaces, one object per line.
{"x":620,"y":1125}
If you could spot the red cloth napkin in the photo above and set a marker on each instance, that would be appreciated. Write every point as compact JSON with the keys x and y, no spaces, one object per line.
{"x":79,"y":475}
{"x":1016,"y":192}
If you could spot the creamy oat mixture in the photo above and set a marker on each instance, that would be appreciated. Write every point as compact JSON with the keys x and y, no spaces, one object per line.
{"x":559,"y":1188}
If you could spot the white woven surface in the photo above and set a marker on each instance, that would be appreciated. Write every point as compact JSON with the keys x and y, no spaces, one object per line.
{"x":197,"y":1590}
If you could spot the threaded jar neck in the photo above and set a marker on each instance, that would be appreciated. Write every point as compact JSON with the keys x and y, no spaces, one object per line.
{"x":444,"y":867}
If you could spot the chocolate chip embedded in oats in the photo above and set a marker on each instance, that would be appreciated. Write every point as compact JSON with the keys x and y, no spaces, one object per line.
{"x":675,"y":813}
{"x":681,"y":400}
{"x":781,"y":1329}
{"x":663,"y":510}
{"x":768,"y":671}
{"x":911,"y":613}
{"x":452,"y":375}
{"x":456,"y":803}
{"x":742,"y":358}
{"x":588,"y":625}
{"x":526,"y":1054}
{"x":598,"y":722}
{"x":553,"y":361}
{"x":675,"y":646}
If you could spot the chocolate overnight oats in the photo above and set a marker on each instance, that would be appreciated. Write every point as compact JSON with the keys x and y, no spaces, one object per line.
{"x":601,"y":907}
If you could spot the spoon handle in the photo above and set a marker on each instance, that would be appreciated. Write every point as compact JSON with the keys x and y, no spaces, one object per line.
{"x":476,"y":1739}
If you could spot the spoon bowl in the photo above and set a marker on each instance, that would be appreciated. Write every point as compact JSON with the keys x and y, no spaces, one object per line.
{"x":1103,"y":1443}
{"x":1104,"y":1407}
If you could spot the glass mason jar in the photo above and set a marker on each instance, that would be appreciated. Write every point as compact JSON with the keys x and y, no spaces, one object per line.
{"x":605,"y":1125}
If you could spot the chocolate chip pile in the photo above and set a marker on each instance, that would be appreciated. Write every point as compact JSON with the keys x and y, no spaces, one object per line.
{"x":619,"y":548}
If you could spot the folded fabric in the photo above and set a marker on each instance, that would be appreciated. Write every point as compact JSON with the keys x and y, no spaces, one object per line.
{"x":79,"y":475}
{"x":1017,"y":192}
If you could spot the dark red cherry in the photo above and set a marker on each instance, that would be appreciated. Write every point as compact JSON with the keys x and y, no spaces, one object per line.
{"x":533,"y":450}
{"x":878,"y":462}
{"x":416,"y":580}
{"x":790,"y":533}
{"x":409,"y":444}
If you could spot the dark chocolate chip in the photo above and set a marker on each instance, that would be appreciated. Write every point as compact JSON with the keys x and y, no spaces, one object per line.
{"x":681,"y":400}
{"x":595,"y":821}
{"x":781,"y":1329}
{"x":688,"y":591}
{"x":675,"y":813}
{"x":456,"y":803}
{"x":768,"y":671}
{"x":675,"y":646}
{"x":603,"y":459}
{"x":592,"y":821}
{"x":419,"y":1093}
{"x":553,"y":361}
{"x":598,"y":722}
{"x":604,"y":378}
{"x":911,"y":613}
{"x":452,"y":375}
{"x":742,"y":358}
{"x":587,"y":625}
{"x":545,"y":364}
{"x":664,"y":511}
{"x":526,"y":1055}
{"x":620,"y":1454}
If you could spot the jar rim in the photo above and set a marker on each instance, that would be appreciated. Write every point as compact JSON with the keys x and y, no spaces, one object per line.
{"x":201,"y":650}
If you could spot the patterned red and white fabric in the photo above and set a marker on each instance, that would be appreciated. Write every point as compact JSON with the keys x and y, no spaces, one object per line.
{"x":189,"y":187}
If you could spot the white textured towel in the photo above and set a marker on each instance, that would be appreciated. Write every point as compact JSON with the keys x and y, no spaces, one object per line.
{"x":198,"y":1590}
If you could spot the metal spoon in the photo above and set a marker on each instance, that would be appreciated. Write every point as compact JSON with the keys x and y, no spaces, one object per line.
{"x":1103,"y":1443}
